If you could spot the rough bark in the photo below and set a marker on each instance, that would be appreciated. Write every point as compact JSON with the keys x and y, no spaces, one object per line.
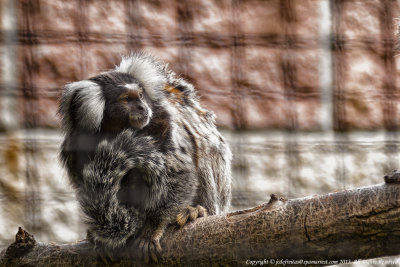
{"x":354,"y":224}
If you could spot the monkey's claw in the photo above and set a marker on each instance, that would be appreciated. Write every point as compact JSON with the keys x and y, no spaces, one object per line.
{"x":149,"y":248}
{"x":190,"y":213}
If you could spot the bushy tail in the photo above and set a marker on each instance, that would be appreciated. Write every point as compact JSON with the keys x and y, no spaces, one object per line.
{"x":110,"y":223}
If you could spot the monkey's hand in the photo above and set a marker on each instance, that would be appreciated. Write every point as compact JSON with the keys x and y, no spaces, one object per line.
{"x":148,"y":242}
{"x":190,"y":213}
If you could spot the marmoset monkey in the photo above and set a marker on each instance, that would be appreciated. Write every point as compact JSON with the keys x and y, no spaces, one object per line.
{"x":142,"y":153}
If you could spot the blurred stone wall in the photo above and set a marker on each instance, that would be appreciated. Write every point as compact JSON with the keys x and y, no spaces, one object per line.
{"x":304,"y":90}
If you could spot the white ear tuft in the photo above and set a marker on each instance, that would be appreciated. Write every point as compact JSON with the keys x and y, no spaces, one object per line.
{"x":86,"y":101}
{"x":147,"y":70}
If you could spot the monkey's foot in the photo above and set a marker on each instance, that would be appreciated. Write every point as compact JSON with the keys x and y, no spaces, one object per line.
{"x":149,"y":244}
{"x":190,"y":213}
{"x":104,"y":255}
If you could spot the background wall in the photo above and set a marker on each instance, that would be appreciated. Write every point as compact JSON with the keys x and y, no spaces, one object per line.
{"x":304,"y":90}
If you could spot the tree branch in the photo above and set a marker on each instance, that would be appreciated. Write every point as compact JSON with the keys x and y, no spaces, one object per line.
{"x":354,"y":224}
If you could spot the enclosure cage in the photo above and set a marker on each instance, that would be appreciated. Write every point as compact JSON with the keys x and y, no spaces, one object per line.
{"x":305,"y":91}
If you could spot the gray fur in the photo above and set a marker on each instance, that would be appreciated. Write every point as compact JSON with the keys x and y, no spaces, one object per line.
{"x":110,"y":223}
{"x":91,"y":102}
{"x":134,"y":183}
{"x":147,"y":70}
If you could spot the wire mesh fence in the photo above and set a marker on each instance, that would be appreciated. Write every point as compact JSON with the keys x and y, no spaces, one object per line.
{"x":304,"y":90}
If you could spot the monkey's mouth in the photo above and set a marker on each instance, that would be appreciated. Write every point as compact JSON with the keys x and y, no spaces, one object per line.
{"x":139,"y":121}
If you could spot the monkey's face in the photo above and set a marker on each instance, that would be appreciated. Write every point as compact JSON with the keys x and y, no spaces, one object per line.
{"x":128,"y":108}
{"x":126,"y":103}
{"x":133,"y":103}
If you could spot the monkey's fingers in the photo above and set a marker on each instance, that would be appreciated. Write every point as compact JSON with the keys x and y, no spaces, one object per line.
{"x":202,"y":211}
{"x":193,"y":213}
{"x":157,"y":245}
{"x":149,"y":249}
{"x":104,"y":256}
{"x":181,"y":218}
{"x":144,"y":247}
{"x":155,"y":249}
{"x":190,"y":213}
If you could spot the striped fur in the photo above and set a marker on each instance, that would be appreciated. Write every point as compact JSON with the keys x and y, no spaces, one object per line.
{"x":133,"y":183}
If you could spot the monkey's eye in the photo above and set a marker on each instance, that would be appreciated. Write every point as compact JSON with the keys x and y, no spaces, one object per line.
{"x":124,"y":99}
